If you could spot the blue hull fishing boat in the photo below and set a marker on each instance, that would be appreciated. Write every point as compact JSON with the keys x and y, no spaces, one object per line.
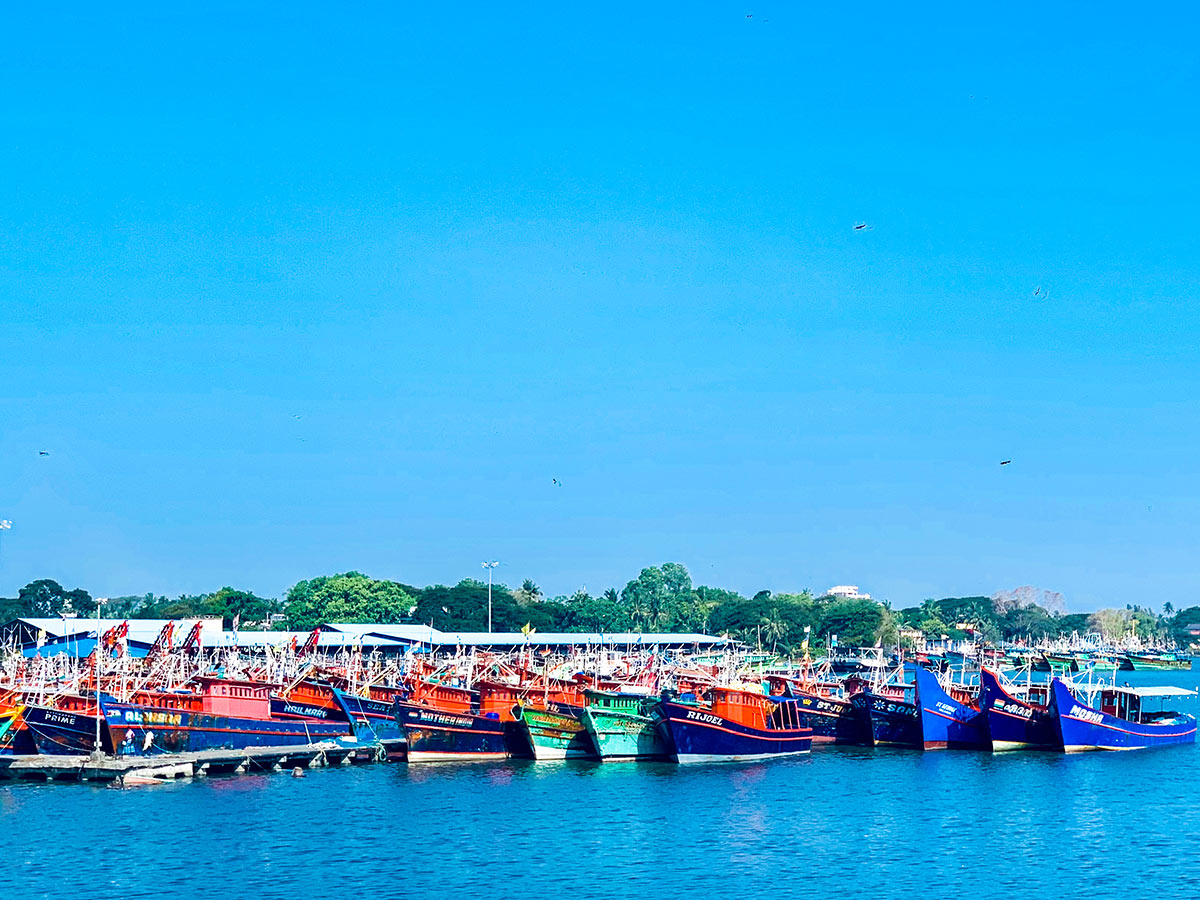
{"x":888,"y":721}
{"x":374,"y":719}
{"x":139,"y":729}
{"x":444,"y":722}
{"x":736,"y":725}
{"x":827,"y":707}
{"x":223,"y":714}
{"x":1016,"y":723}
{"x":64,"y":732}
{"x":1119,"y":723}
{"x":948,"y":722}
{"x":437,"y":735}
{"x":832,"y":719}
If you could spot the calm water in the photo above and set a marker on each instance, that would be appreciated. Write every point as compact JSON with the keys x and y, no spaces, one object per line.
{"x":841,"y":821}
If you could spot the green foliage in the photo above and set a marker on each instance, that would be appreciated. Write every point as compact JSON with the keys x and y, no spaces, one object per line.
{"x":857,"y":622}
{"x":464,"y":607}
{"x":349,"y":597}
{"x":583,"y":612}
{"x":46,"y":598}
{"x":1073,"y":623}
{"x":777,"y":621}
{"x":1029,"y":621}
{"x":228,"y":602}
{"x":1178,"y":626}
{"x":528,"y":593}
{"x":661,"y":599}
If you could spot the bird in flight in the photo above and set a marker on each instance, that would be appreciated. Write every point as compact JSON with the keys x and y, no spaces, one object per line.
{"x":296,"y":417}
{"x":556,"y":482}
{"x":1006,"y":462}
{"x":1041,"y":293}
{"x":43,"y":453}
{"x":861,"y":226}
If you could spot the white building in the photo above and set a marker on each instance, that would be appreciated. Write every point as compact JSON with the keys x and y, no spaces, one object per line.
{"x":848,"y":591}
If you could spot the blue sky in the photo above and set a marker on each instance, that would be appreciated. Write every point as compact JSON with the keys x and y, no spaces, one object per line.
{"x":477,"y":248}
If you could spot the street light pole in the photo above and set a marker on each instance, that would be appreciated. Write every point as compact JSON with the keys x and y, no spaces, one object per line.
{"x":489,"y":566}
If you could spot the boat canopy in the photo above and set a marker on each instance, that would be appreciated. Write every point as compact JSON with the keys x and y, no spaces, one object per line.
{"x":1159,"y":691}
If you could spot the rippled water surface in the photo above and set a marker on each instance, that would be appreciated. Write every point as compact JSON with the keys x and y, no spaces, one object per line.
{"x":842,"y":821}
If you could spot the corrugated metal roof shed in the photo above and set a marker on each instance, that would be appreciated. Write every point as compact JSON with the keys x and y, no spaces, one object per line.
{"x":384,"y":637}
{"x":426,"y":634}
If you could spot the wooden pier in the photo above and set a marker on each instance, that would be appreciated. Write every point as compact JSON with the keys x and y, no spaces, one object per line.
{"x":141,"y":769}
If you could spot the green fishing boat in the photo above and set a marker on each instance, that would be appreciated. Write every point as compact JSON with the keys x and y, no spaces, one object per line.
{"x":556,"y":734}
{"x":621,"y":727}
{"x":1060,"y":663}
{"x":1140,"y":662}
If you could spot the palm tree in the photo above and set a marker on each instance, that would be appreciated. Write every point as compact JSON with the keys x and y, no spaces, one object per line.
{"x":774,"y":627}
{"x":639,"y":610}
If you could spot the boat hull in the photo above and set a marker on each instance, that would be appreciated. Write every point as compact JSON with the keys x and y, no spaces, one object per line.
{"x":374,"y":720}
{"x":833,"y":720}
{"x":946,"y":723}
{"x":1012,"y":723}
{"x":623,"y":735}
{"x":556,"y":734}
{"x":1150,"y":664}
{"x":59,"y":732}
{"x":436,"y":736}
{"x":888,"y":722}
{"x":15,"y":737}
{"x":694,"y":735}
{"x":1083,"y":728}
{"x":143,"y":730}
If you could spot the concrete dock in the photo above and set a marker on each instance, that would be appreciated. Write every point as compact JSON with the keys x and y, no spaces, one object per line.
{"x":167,"y":766}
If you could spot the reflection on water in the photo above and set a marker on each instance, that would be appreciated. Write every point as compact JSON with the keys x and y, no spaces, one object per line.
{"x":843,"y":821}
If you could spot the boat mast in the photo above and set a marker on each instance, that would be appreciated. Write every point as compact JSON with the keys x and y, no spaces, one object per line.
{"x":99,"y":602}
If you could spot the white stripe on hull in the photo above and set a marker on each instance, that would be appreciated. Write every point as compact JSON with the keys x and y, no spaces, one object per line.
{"x":743,"y":757}
{"x":1000,"y":746}
{"x":545,"y":753}
{"x":427,"y":756}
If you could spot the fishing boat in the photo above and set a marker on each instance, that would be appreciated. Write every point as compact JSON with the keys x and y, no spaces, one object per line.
{"x":1149,"y":662}
{"x":443,"y":723}
{"x":15,"y":738}
{"x":1059,"y":663}
{"x":621,"y":725}
{"x":307,"y":698}
{"x":557,"y":733}
{"x":68,"y":728}
{"x":1114,"y":718}
{"x":373,"y":715}
{"x":550,"y":711}
{"x":1101,"y":662}
{"x":950,"y":715}
{"x":735,"y":725}
{"x":889,"y":716}
{"x":222,"y":714}
{"x":1017,"y":721}
{"x":826,"y":705}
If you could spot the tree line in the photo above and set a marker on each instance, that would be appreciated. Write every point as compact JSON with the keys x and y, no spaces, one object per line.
{"x":959,"y":617}
{"x":660,"y":599}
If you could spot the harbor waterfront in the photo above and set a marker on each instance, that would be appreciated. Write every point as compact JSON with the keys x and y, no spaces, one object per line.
{"x":889,"y":823}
